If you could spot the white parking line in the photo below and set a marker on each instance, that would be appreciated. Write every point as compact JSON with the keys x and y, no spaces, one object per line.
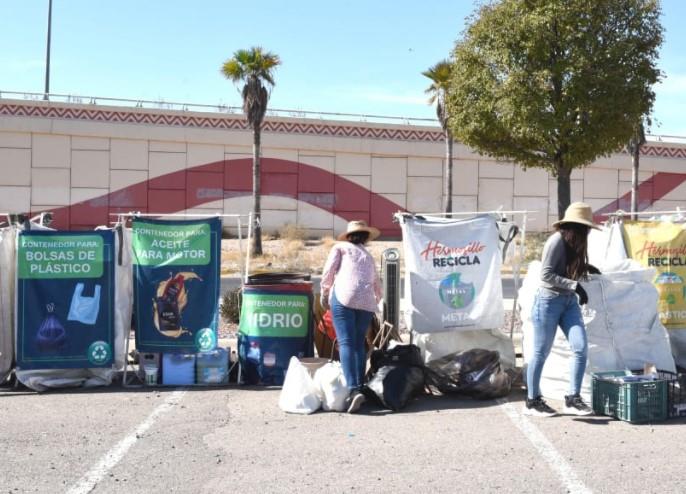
{"x":546,"y":449}
{"x":88,"y":482}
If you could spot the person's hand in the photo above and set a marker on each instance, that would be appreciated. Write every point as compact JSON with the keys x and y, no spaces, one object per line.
{"x":583,"y":296}
{"x":593,"y":270}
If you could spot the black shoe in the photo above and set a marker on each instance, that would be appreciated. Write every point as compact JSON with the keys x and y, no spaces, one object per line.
{"x":538,"y":408}
{"x":356,"y":400}
{"x":574,"y":405}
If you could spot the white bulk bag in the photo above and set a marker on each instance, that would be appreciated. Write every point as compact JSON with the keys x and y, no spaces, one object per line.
{"x":622,"y":325}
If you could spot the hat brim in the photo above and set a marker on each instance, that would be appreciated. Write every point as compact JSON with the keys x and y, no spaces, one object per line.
{"x":373,"y":232}
{"x":580,"y":222}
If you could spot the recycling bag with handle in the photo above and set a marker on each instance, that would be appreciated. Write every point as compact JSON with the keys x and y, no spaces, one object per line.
{"x":452,"y":273}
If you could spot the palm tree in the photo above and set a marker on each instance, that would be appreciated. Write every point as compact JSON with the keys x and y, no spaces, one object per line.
{"x":440,"y":80}
{"x":253,"y":67}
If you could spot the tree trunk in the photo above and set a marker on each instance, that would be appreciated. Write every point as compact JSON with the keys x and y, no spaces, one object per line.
{"x":448,"y":187}
{"x":563,"y":188}
{"x":256,"y":190}
{"x":635,"y":152}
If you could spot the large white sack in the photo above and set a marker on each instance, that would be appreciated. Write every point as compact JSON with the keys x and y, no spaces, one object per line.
{"x":437,"y":345}
{"x":622,"y":326}
{"x":8,"y":262}
{"x":452,"y":274}
{"x":606,"y":247}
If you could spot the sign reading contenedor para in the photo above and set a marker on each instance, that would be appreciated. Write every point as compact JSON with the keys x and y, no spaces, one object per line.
{"x":176,"y":284}
{"x":270,"y":315}
{"x":65,"y":295}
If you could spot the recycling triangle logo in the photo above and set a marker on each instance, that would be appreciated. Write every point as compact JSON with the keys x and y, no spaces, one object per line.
{"x":454,"y":293}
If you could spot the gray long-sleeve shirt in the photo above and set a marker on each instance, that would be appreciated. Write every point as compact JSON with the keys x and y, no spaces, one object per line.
{"x":554,"y":266}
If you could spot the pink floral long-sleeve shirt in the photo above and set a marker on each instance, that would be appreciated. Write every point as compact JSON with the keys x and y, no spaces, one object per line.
{"x":351,"y":271}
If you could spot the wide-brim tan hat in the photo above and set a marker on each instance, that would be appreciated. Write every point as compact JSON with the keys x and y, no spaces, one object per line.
{"x":578,"y":212}
{"x":359,"y":226}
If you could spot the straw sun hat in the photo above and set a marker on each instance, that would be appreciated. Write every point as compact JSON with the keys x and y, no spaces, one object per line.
{"x":578,"y":212}
{"x":359,"y":226}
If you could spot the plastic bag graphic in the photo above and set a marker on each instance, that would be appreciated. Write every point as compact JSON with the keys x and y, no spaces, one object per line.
{"x":51,"y":334}
{"x":84,"y":309}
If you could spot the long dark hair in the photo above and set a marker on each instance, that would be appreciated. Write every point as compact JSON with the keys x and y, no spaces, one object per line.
{"x":575,"y":236}
{"x":358,"y":237}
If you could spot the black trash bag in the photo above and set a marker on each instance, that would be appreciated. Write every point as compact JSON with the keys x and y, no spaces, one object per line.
{"x":476,"y":373}
{"x":394,"y":386}
{"x":397,"y":376}
{"x":406,"y":355}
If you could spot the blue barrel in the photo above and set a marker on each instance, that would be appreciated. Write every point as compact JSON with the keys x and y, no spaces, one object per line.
{"x":276,"y":324}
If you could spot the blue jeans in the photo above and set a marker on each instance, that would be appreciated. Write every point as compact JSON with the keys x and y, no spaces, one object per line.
{"x":351,"y":328}
{"x":548,"y":312}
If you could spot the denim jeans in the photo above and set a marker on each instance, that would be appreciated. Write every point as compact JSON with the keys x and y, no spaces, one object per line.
{"x":351,"y":328}
{"x":548,"y":312}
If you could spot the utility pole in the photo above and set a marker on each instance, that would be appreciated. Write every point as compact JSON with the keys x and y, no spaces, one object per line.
{"x":47,"y":57}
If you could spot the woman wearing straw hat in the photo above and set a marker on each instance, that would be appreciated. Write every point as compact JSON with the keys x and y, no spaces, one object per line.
{"x":350,"y":286}
{"x":557,"y":303}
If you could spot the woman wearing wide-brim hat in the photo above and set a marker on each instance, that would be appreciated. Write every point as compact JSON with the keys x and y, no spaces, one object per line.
{"x":350,"y":286}
{"x":558,"y":303}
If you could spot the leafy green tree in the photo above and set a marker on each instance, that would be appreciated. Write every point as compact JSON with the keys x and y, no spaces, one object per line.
{"x":437,"y":91}
{"x":254,"y":68}
{"x":555,"y":83}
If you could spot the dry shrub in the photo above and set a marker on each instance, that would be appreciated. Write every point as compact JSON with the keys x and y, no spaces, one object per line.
{"x":230,"y":307}
{"x":291,"y":231}
{"x":292,"y":248}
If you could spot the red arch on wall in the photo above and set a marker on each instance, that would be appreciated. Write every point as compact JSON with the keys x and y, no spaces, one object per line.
{"x":197,"y":186}
{"x":649,"y":192}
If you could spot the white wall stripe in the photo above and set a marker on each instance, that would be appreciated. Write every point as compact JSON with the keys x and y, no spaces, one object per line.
{"x":88,"y":482}
{"x":546,"y":449}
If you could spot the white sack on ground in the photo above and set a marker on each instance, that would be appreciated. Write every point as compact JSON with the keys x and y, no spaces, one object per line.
{"x":8,"y":261}
{"x":452,"y":274}
{"x":437,"y":345}
{"x":622,"y":325}
{"x":44,"y":379}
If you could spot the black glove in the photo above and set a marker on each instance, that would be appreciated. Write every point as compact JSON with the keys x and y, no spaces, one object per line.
{"x":593,"y":270}
{"x":583,"y":296}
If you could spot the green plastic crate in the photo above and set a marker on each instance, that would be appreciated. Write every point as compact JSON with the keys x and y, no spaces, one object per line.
{"x":634,"y":402}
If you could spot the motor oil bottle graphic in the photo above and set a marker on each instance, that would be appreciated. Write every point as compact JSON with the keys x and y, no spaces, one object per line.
{"x":169,"y":303}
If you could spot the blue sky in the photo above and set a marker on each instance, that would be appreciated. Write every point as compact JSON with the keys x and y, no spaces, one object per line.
{"x":355,"y":56}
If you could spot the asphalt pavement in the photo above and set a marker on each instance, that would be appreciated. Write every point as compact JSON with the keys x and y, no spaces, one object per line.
{"x":236,"y":439}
